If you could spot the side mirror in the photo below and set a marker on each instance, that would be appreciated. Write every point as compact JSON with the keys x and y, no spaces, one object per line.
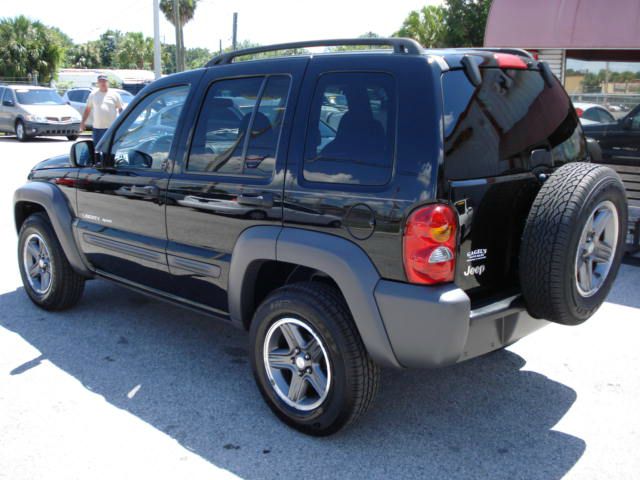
{"x":8,"y":103}
{"x":82,"y":153}
{"x":627,"y":123}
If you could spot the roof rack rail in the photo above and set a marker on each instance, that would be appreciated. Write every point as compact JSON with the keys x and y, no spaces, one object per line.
{"x":513,"y":51}
{"x":400,"y":45}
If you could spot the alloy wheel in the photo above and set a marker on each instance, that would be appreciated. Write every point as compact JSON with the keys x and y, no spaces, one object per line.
{"x":37,"y":264}
{"x":297,"y":364}
{"x":597,"y":248}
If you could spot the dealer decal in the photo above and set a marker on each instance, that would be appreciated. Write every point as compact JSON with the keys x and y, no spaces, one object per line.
{"x":477,"y":254}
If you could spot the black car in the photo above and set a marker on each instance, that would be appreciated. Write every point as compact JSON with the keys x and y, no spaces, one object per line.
{"x":619,"y":143}
{"x":402,"y":208}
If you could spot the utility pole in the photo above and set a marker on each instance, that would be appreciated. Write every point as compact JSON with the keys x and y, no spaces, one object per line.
{"x":157,"y":68}
{"x":178,"y":25}
{"x":235,"y":30}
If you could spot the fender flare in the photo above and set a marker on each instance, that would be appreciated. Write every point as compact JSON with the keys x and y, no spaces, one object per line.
{"x":54,"y":202}
{"x":346,"y":263}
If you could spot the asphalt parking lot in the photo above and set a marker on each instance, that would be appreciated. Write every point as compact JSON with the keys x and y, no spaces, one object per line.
{"x":124,"y":386}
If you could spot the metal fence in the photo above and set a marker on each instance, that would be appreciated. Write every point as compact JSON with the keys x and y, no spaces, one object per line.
{"x":624,"y":100}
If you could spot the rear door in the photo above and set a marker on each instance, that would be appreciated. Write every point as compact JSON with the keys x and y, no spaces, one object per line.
{"x":498,"y":138}
{"x":230,"y":175}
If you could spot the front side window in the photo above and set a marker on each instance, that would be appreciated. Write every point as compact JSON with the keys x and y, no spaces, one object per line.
{"x":8,"y":95}
{"x":350,"y":136}
{"x":239,"y":127}
{"x":144,"y":139}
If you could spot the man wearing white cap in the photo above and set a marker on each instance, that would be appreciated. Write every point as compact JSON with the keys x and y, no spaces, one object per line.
{"x":105,"y":105}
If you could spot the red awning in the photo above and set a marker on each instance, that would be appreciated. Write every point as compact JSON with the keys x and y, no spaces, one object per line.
{"x":567,"y":24}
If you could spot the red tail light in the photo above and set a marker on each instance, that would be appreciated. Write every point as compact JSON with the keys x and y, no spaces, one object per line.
{"x":507,"y":60}
{"x":429,"y":244}
{"x":579,"y":111}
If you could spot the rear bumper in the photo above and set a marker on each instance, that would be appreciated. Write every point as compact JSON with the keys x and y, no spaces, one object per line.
{"x":52,"y":129}
{"x":432,"y":327}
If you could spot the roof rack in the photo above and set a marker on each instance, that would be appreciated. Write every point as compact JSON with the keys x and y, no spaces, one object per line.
{"x":513,"y":51}
{"x":400,"y":46}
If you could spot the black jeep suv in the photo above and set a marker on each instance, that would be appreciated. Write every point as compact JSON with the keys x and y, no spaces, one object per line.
{"x":397,"y":207}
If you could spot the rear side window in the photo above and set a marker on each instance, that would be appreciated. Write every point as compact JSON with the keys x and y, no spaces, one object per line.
{"x":491,"y":130}
{"x":351,"y":131}
{"x":239,"y":127}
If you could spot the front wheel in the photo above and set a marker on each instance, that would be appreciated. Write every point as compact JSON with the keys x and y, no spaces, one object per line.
{"x":309,"y":361}
{"x":48,"y":278}
{"x":21,"y":131}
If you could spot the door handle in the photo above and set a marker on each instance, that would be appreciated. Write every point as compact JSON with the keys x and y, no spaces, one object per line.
{"x":258,"y":200}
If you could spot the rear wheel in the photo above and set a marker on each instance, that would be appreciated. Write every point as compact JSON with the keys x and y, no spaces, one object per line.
{"x":21,"y":131}
{"x":309,"y":361}
{"x":47,"y":276}
{"x":573,"y":243}
{"x":73,"y":138}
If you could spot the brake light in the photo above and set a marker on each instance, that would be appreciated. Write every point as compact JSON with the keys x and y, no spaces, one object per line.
{"x":579,"y":112}
{"x":507,"y":60}
{"x":429,"y":244}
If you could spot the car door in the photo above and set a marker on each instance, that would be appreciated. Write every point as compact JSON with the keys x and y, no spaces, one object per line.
{"x":3,"y":112}
{"x":620,"y":141}
{"x":7,"y":111}
{"x":121,"y":212}
{"x":230,"y":177}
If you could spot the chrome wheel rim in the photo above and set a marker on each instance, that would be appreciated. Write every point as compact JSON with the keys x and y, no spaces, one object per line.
{"x":19,"y":130}
{"x":297,"y":364}
{"x":37,"y":264}
{"x":596,"y":249}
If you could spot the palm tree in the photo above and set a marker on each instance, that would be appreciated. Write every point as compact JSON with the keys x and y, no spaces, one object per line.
{"x":186,"y":10}
{"x":28,"y":47}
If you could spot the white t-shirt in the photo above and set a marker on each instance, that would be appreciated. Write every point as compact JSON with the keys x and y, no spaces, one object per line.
{"x":104,"y":107}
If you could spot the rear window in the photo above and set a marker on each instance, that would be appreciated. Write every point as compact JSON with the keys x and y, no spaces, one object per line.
{"x":491,"y":129}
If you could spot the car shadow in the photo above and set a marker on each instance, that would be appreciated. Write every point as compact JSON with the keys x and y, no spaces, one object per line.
{"x":487,"y":418}
{"x":625,"y":288}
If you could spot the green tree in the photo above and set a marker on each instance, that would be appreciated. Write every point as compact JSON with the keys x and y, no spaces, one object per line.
{"x":591,"y":83}
{"x":197,"y":57}
{"x":426,"y":26}
{"x":109,"y":42}
{"x":134,"y":51}
{"x":27,"y":47}
{"x":86,"y":55}
{"x":465,"y":22}
{"x":187,"y":9}
{"x":347,"y":48}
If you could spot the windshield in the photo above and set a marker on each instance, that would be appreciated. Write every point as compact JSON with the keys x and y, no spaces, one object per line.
{"x":38,"y":97}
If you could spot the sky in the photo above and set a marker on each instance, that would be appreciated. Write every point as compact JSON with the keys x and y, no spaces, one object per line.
{"x":260,"y":21}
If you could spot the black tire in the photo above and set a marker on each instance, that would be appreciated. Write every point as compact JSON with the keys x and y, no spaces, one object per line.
{"x":256,"y":215}
{"x":354,"y":376}
{"x":549,"y":256}
{"x":21,"y":131}
{"x":72,"y":138}
{"x":66,"y":286}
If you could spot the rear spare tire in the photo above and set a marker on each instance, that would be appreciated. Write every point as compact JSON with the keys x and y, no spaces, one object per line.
{"x":573,"y":242}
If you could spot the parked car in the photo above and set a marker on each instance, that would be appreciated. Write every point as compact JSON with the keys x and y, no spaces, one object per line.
{"x":30,"y":111}
{"x":77,"y":98}
{"x":591,"y":113}
{"x":455,"y":213}
{"x":619,"y":142}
